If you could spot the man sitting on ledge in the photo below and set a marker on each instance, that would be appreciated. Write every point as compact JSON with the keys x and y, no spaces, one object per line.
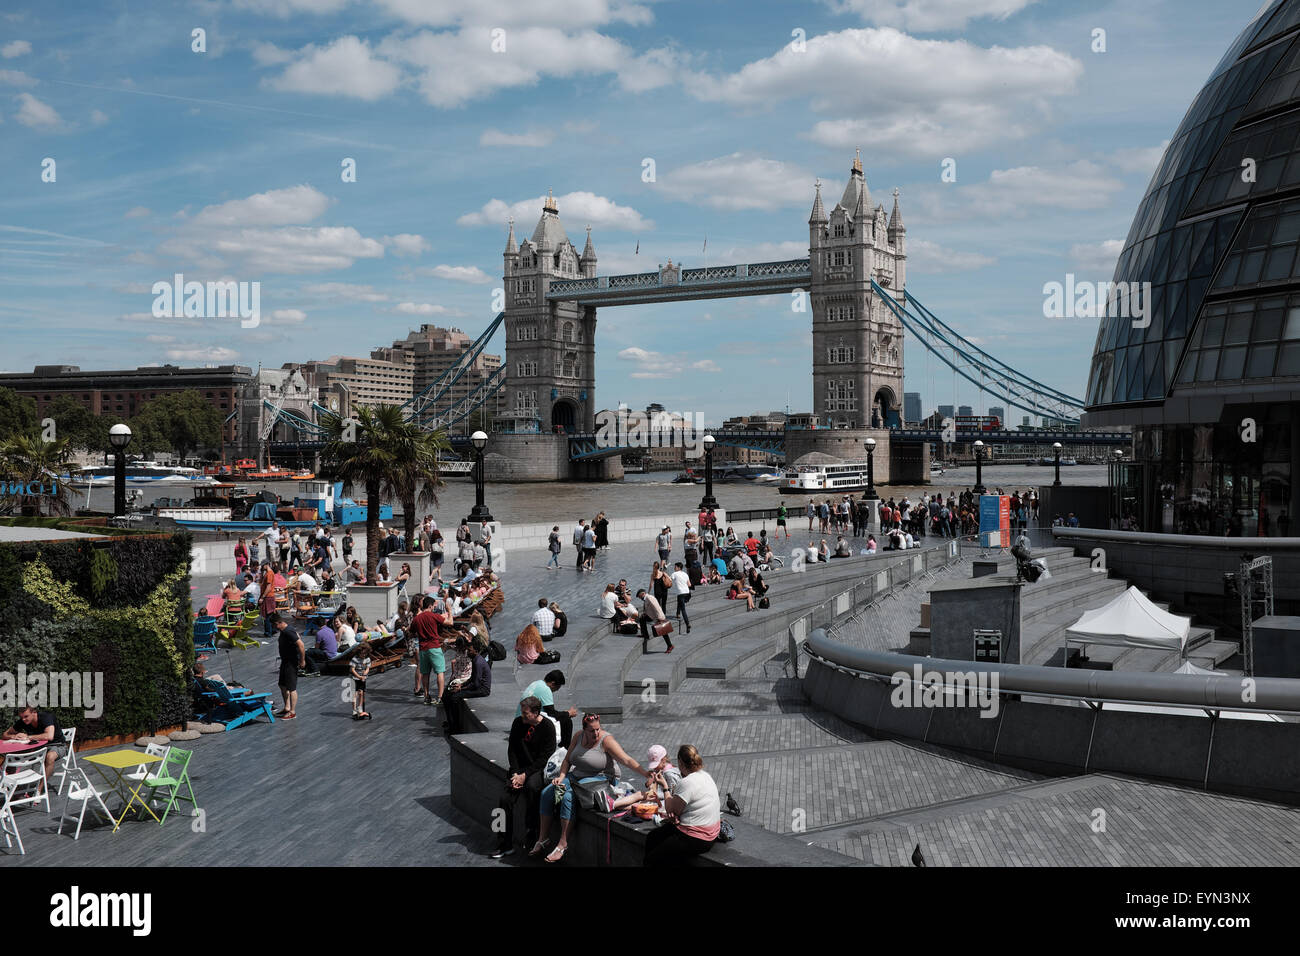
{"x":842,"y":549}
{"x":532,"y":741}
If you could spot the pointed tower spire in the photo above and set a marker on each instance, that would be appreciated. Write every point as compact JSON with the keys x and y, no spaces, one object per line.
{"x":589,"y":253}
{"x":818,"y":210}
{"x":863,"y":203}
{"x":550,"y":203}
{"x":896,"y":217}
{"x":857,"y":160}
{"x":511,"y":248}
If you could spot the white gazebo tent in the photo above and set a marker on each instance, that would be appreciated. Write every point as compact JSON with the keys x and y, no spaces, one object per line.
{"x":1192,"y":670}
{"x":1130,"y":621}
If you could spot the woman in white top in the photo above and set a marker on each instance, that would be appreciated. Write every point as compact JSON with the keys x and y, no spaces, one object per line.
{"x":346,"y":634}
{"x":694,"y":813}
{"x":607,"y":602}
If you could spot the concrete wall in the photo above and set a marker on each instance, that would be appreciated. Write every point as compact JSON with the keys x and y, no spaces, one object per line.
{"x":959,"y":608}
{"x":909,"y":463}
{"x":526,"y":458}
{"x":1187,"y":569}
{"x":1224,"y":755}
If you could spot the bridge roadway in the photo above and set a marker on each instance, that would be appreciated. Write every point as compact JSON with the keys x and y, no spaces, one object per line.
{"x":674,"y":285}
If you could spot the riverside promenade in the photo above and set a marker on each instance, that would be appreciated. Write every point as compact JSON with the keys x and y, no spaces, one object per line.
{"x":324,"y":790}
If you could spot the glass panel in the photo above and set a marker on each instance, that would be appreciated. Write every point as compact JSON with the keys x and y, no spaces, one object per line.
{"x":1238,"y":330}
{"x":1268,"y":325}
{"x":1278,"y":265}
{"x":1188,"y":370}
{"x":1213,"y":330}
{"x":1208,"y":363}
{"x":1250,"y":268}
{"x":1288,"y":361}
{"x":1232,"y":362}
{"x":1260,"y":364}
{"x":1292,"y":327}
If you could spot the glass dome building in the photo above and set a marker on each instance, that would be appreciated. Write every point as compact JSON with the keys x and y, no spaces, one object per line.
{"x":1209,"y":375}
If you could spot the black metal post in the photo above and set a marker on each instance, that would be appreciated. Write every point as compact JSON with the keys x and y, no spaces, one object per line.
{"x":480,"y":513}
{"x":871,"y":474}
{"x":708,"y":501}
{"x":979,"y":488}
{"x":1057,"y":482}
{"x":119,"y":481}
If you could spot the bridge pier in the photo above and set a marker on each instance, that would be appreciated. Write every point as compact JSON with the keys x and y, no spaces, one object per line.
{"x":543,"y":458}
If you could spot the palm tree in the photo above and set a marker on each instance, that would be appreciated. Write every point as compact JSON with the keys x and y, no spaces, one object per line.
{"x":31,"y":459}
{"x":390,"y":457}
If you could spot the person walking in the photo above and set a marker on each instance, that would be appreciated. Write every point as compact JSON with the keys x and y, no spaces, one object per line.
{"x":812,"y":513}
{"x":589,"y":549}
{"x":781,"y":515}
{"x":652,"y":613}
{"x":553,"y":546}
{"x":708,"y":538}
{"x":579,"y":530}
{"x":293,"y":658}
{"x":664,"y":544}
{"x":682,"y":589}
{"x":660,"y":581}
{"x":241,"y":556}
{"x":602,"y":532}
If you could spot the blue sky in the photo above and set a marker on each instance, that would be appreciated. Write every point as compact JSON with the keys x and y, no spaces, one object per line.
{"x":226,"y":164}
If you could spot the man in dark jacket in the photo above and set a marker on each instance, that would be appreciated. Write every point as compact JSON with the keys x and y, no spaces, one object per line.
{"x":478,"y":685}
{"x":532,"y":741}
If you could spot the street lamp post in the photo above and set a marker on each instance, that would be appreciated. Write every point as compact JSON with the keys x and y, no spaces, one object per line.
{"x":979,"y":488}
{"x":709,"y":501}
{"x":480,"y":513}
{"x":1056,"y":450}
{"x":870,"y":444}
{"x":120,"y":436}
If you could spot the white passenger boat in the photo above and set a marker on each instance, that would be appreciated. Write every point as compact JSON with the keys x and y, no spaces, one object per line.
{"x":140,"y":473}
{"x":842,"y":476}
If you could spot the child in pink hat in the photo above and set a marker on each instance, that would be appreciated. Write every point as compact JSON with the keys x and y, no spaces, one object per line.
{"x":657,"y":759}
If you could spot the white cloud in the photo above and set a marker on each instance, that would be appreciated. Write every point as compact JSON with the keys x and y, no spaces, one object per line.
{"x":584,"y":207}
{"x":511,"y":13}
{"x":928,"y":16}
{"x":268,"y":54}
{"x":134,"y":288}
{"x":288,"y":315}
{"x":202,"y":353}
{"x":1139,"y":159}
{"x":658,"y":365}
{"x":98,"y":117}
{"x":277,"y":207}
{"x":406,"y":244}
{"x":16,"y":78}
{"x":1097,"y":257}
{"x":287,"y":8}
{"x":423,"y":308}
{"x":455,"y":68}
{"x":15,"y":48}
{"x":924,"y":98}
{"x":1016,"y":193}
{"x":738,"y":182}
{"x":345,"y":291}
{"x":471,"y":274}
{"x":344,"y":68}
{"x":930,"y":258}
{"x":137,"y":212}
{"x":35,"y":114}
{"x":531,"y":139}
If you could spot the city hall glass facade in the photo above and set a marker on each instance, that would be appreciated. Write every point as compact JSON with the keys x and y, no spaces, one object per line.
{"x":1210,"y":376}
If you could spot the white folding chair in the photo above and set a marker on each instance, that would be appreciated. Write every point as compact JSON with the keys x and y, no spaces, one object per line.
{"x":82,"y":790}
{"x":25,"y":774}
{"x":143,"y":771}
{"x":69,"y":759}
{"x":8,"y":825}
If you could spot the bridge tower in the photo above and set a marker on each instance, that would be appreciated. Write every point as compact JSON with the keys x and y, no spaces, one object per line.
{"x":857,"y":341}
{"x":550,"y":346}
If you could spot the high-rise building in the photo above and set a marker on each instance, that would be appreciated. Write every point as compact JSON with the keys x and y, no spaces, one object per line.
{"x":429,"y":352}
{"x":945,"y":411}
{"x":998,"y":412}
{"x":965,"y":411}
{"x":367,"y":381}
{"x":911,"y":407}
{"x":1205,"y":343}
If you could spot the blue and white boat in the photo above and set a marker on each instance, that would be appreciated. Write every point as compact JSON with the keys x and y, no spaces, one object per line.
{"x":139,"y":473}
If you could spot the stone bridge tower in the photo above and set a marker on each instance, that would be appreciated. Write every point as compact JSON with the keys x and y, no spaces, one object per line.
{"x":550,"y":346}
{"x":857,"y":341}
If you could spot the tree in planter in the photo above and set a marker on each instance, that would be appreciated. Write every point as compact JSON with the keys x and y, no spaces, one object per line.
{"x":380,"y":451}
{"x":28,"y":459}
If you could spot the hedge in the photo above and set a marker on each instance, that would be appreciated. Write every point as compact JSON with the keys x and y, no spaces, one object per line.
{"x":119,"y":607}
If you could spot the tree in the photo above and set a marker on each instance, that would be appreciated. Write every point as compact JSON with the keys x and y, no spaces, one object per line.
{"x":28,"y":459}
{"x":180,"y":422}
{"x":386,"y":455}
{"x":17,"y":414}
{"x":75,"y":422}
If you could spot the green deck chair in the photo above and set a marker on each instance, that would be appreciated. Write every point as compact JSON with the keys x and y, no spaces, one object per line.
{"x":171,"y":776}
